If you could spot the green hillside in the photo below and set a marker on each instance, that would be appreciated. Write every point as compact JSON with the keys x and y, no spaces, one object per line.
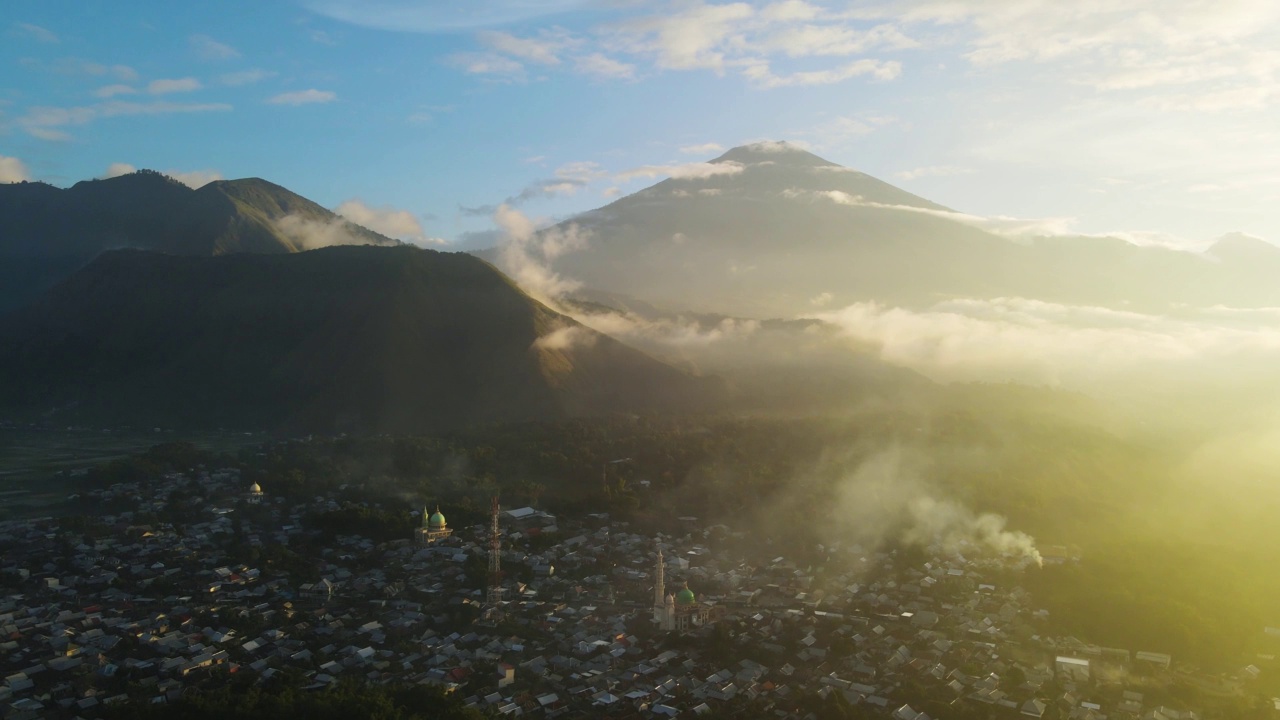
{"x":343,"y":338}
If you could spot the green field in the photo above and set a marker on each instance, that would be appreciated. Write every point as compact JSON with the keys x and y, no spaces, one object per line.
{"x":37,"y":463}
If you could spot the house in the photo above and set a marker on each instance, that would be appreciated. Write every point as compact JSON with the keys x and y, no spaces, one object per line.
{"x":506,"y":675}
{"x":1071,"y":669}
{"x":1034,"y":708}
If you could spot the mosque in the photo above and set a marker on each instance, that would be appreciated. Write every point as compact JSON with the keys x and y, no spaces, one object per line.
{"x":434,"y":527}
{"x":255,"y":494}
{"x":680,"y":612}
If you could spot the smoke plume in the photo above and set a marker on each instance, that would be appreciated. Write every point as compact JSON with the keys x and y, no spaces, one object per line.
{"x":886,"y":498}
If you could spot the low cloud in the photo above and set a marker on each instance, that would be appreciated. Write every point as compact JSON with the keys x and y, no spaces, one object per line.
{"x":688,"y":171}
{"x":1010,"y":227}
{"x":777,"y":146}
{"x":303,"y":97}
{"x":13,"y":170}
{"x":309,"y":234}
{"x":117,"y":169}
{"x":386,"y":220}
{"x":569,"y":179}
{"x":666,"y":333}
{"x":194,"y":179}
{"x":1025,"y":340}
{"x":566,"y":338}
{"x":526,"y":253}
{"x":933,"y":171}
{"x":703,"y":149}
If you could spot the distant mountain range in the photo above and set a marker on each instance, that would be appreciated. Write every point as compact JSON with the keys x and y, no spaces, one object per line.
{"x":48,"y":232}
{"x":338,"y":339}
{"x":775,"y":231}
{"x":139,"y":300}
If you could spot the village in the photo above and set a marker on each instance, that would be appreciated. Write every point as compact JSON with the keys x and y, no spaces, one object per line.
{"x":570,"y":617}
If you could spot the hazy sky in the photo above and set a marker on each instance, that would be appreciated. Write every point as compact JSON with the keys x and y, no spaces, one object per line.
{"x":1149,"y":117}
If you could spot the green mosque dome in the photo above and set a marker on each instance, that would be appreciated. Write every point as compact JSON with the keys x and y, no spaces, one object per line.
{"x":436,"y":521}
{"x":686,"y":597}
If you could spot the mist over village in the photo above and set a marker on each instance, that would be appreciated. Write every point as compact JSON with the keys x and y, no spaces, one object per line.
{"x":795,"y":359}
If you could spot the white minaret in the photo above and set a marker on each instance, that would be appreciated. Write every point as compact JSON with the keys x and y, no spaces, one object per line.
{"x":659,"y":591}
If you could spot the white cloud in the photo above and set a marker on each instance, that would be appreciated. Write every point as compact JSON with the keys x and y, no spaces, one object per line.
{"x":601,"y":66}
{"x":777,"y":146}
{"x":790,"y":10}
{"x":1034,"y":341}
{"x":389,"y":221}
{"x":13,"y":170}
{"x":206,"y":48}
{"x":74,"y":66}
{"x":693,"y":38}
{"x":118,"y":108}
{"x":436,"y":17}
{"x":166,"y":86}
{"x":1010,"y":227}
{"x":582,"y":171}
{"x":194,"y":179}
{"x":46,"y":133}
{"x":244,"y":77}
{"x":566,"y":338}
{"x":763,"y":76}
{"x":821,"y":299}
{"x":37,"y":32}
{"x":677,"y":332}
{"x":687,"y":171}
{"x":113,"y":90}
{"x":837,"y":40}
{"x":543,"y":49}
{"x":933,"y":171}
{"x":118,"y":169}
{"x":303,"y":97}
{"x":526,"y":253}
{"x":46,"y":122}
{"x":309,"y":234}
{"x":703,"y":149}
{"x":487,"y":64}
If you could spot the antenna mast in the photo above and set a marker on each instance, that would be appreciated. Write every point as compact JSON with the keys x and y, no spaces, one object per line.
{"x":494,"y":596}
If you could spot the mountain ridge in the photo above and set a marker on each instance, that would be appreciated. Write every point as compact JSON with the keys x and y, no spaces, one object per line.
{"x":51,"y":229}
{"x":394,"y":339}
{"x":771,"y":229}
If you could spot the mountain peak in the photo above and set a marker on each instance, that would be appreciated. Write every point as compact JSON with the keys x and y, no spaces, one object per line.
{"x":778,"y":152}
{"x":1242,"y":245}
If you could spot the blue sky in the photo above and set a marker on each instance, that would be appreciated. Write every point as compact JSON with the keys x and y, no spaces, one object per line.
{"x":1152,"y":118}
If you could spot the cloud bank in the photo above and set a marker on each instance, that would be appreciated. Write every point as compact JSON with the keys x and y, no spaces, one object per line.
{"x":386,"y":220}
{"x":1042,"y":342}
{"x":13,"y":170}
